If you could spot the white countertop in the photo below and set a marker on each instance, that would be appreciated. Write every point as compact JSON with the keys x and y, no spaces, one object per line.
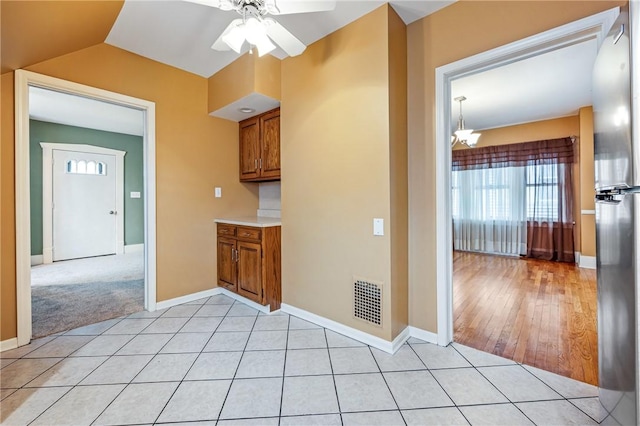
{"x":258,"y":221}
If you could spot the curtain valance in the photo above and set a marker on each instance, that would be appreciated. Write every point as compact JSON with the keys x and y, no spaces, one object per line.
{"x":552,"y":151}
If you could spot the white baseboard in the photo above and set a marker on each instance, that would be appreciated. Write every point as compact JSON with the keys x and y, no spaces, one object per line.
{"x":251,"y":303}
{"x":400,"y":339}
{"x":8,"y":344}
{"x":186,"y":299}
{"x":425,"y":335}
{"x":361,"y":336}
{"x":588,"y":262}
{"x":133,"y":248}
{"x":37,"y":259}
{"x":208,"y":293}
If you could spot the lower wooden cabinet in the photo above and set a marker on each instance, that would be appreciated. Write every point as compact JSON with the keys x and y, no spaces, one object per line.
{"x":249,"y":262}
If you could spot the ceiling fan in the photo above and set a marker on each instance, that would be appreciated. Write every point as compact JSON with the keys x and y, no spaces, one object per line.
{"x":259,"y":30}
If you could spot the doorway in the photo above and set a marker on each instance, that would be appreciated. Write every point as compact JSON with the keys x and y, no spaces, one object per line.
{"x":24,"y":80}
{"x":594,"y":27}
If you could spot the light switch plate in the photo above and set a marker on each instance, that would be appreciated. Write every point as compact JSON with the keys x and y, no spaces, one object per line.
{"x":218,"y":192}
{"x":378,"y":226}
{"x":135,"y":194}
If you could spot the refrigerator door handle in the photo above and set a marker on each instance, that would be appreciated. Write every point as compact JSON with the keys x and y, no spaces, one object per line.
{"x":619,"y":35}
{"x":614,"y":196}
{"x":608,"y":198}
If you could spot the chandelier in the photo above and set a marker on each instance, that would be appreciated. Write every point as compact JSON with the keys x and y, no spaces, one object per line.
{"x":461,"y":135}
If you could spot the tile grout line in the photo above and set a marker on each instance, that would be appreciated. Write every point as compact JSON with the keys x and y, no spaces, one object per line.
{"x":284,"y":369}
{"x":387,"y":384}
{"x":126,"y":385}
{"x":245,"y":350}
{"x":72,"y":387}
{"x":237,"y":367}
{"x":194,"y":360}
{"x":438,"y":382}
{"x":492,"y":384}
{"x":333,"y":376}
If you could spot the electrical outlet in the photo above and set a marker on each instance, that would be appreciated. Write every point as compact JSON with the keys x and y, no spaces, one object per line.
{"x":218,"y":192}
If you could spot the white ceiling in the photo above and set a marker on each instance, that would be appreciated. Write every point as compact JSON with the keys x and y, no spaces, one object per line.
{"x":551,"y":85}
{"x":180,"y":33}
{"x":63,"y":108}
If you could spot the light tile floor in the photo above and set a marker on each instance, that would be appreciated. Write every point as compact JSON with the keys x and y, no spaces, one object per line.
{"x":218,"y":361}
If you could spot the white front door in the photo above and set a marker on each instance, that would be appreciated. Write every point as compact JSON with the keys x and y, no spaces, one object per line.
{"x":84,"y":204}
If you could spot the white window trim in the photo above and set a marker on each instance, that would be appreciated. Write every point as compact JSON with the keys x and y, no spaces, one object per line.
{"x":47,"y":192}
{"x":24,"y":79}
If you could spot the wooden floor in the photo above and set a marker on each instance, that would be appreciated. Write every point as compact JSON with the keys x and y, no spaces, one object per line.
{"x":535,"y":312}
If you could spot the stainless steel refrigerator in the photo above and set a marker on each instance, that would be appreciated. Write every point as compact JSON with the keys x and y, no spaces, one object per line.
{"x":617,"y":171}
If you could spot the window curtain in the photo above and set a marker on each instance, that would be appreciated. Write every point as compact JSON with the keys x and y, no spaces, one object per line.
{"x":542,"y":204}
{"x":489,"y":212}
{"x":550,"y":219}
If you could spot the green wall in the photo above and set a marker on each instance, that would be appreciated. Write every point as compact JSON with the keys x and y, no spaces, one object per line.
{"x":41,"y":131}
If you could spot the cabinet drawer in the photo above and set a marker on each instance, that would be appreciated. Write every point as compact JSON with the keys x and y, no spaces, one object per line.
{"x":228,"y":230}
{"x":252,"y":234}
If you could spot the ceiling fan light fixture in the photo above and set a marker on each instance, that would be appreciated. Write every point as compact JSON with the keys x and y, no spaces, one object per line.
{"x":235,"y":38}
{"x":258,"y":29}
{"x":225,"y":5}
{"x":264,"y":45}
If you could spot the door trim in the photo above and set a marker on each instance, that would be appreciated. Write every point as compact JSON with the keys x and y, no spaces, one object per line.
{"x":24,"y":79}
{"x":596,"y":26}
{"x":47,"y":192}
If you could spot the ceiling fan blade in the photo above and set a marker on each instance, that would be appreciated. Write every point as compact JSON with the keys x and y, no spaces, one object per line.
{"x":220,"y":44}
{"x":283,"y":38}
{"x":287,"y":7}
{"x":220,"y":4}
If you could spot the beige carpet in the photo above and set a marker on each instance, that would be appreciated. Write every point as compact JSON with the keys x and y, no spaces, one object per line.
{"x":74,"y":293}
{"x":121,"y":267}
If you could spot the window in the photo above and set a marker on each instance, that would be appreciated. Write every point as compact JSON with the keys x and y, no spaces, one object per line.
{"x":542,"y":191}
{"x":494,"y":195}
{"x":82,"y":167}
{"x":486,"y":194}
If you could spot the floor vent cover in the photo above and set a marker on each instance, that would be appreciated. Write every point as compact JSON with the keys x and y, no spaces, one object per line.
{"x":367,"y":301}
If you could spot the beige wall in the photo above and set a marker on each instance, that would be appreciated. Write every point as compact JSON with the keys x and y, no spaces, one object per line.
{"x":194,"y":153}
{"x":587,"y":183}
{"x":7,"y":213}
{"x":338,"y":138}
{"x":434,"y":41}
{"x":34,"y":31}
{"x":244,"y":76}
{"x":399,"y":226}
{"x":535,"y":131}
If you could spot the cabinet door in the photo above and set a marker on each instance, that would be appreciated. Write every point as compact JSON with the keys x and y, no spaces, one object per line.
{"x":226,"y":263}
{"x":249,"y":146}
{"x":250,"y":271}
{"x":270,"y":137}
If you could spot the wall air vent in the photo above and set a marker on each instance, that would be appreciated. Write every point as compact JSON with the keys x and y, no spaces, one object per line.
{"x":367,"y":301}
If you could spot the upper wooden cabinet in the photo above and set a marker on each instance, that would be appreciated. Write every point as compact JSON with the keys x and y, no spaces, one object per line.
{"x":260,"y":147}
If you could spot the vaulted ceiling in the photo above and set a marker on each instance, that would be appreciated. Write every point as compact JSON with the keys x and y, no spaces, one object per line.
{"x":180,"y":33}
{"x":34,"y":31}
